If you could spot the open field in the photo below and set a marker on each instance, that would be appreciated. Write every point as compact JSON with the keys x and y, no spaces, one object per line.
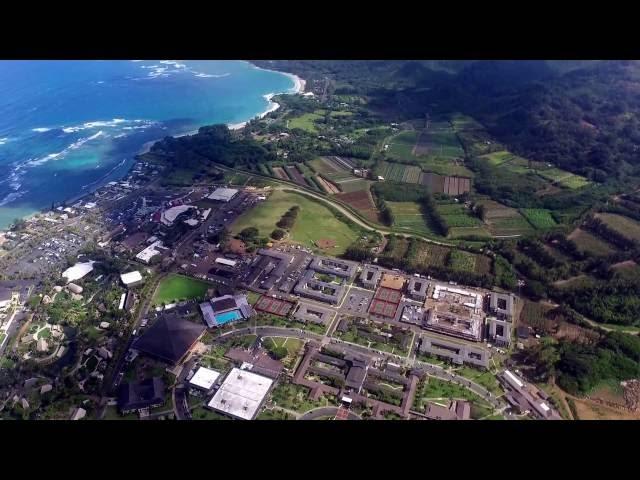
{"x":587,"y":242}
{"x":401,"y":146}
{"x":408,"y":216}
{"x":457,"y":215}
{"x":353,"y":184}
{"x":540,"y":218}
{"x":314,"y":221}
{"x":362,"y":201}
{"x":623,"y":225}
{"x":304,"y":122}
{"x":324,"y":165}
{"x":280,"y":173}
{"x":177,"y":287}
{"x":431,"y":254}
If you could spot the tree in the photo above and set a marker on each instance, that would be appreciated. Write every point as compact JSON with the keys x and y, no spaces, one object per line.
{"x":249,"y":234}
{"x":278,"y":234}
{"x":279,"y":352}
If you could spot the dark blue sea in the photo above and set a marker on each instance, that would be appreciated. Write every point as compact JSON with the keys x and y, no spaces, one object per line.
{"x":68,"y":127}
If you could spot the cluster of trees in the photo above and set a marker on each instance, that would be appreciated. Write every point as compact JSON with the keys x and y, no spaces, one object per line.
{"x":289,"y":218}
{"x":212,"y":144}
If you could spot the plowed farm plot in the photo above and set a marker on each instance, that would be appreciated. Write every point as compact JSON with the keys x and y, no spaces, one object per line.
{"x":362,"y":202}
{"x":295,"y":175}
{"x":280,"y":173}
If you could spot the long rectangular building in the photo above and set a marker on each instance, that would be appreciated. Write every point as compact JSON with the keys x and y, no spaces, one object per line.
{"x":310,"y":287}
{"x":456,"y":352}
{"x":334,"y":266}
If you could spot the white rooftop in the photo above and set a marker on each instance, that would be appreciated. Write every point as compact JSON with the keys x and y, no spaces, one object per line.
{"x":204,"y":378}
{"x":149,"y":252}
{"x":223,"y":194}
{"x":169,"y":216}
{"x":131,"y":277}
{"x":241,"y":394}
{"x":78,"y":271}
{"x":226,"y":261}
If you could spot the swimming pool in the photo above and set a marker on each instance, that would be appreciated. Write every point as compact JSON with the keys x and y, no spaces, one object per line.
{"x":229,"y":316}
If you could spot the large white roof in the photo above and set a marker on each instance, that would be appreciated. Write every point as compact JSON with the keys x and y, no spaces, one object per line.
{"x":149,"y":252}
{"x":169,"y":216}
{"x":223,"y":194}
{"x":78,"y":271}
{"x":131,"y":277}
{"x":204,"y":378}
{"x":241,"y":394}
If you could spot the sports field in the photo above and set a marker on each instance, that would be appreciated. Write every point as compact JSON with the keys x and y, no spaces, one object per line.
{"x":304,"y":122}
{"x":314,"y":221}
{"x":175,"y":288}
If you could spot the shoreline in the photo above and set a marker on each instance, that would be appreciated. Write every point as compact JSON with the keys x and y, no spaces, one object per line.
{"x":298,"y":87}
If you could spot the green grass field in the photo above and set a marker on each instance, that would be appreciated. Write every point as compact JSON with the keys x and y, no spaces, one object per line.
{"x":353,"y":184}
{"x":408,"y":216}
{"x":292,"y":345}
{"x":305,"y":122}
{"x":314,"y":221}
{"x":498,"y":158}
{"x":177,"y":287}
{"x":402,"y":144}
{"x":456,"y":215}
{"x":540,"y":218}
{"x":623,"y":225}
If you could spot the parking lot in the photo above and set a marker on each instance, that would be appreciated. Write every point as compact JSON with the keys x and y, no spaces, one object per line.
{"x":357,"y":302}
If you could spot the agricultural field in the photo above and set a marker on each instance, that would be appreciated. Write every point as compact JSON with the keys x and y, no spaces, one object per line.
{"x":623,"y":225}
{"x":315,"y":221}
{"x":408,"y":216}
{"x":398,"y":172}
{"x":461,"y":260}
{"x":504,"y":221}
{"x":430,"y":254}
{"x":397,"y":247}
{"x":324,"y":165}
{"x":353,"y":184}
{"x":305,"y":122}
{"x":328,"y":187}
{"x":295,"y":175}
{"x":280,"y":173}
{"x":361,"y":201}
{"x":401,"y":145}
{"x":177,"y":287}
{"x":457,"y":215}
{"x":587,"y":242}
{"x":540,"y":218}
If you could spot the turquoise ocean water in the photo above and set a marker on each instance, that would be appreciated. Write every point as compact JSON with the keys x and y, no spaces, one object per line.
{"x":68,"y":127}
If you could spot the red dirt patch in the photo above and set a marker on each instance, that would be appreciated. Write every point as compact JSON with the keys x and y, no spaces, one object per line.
{"x":325,"y":243}
{"x":362,"y":202}
{"x":236,"y":246}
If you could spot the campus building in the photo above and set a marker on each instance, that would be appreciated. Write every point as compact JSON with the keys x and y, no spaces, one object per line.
{"x":241,"y":394}
{"x":455,"y":352}
{"x":131,"y":279}
{"x":499,"y":331}
{"x":218,"y":311}
{"x":268,"y":269}
{"x":134,"y":396}
{"x":169,"y":339}
{"x":456,"y":312}
{"x":204,"y":379}
{"x":311,"y":287}
{"x":523,"y":397}
{"x":502,"y":305}
{"x":148,"y":253}
{"x":370,"y":276}
{"x":334,"y":266}
{"x":223,"y":194}
{"x":417,"y":288}
{"x":311,"y":313}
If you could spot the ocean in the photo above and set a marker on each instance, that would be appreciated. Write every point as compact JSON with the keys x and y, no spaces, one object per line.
{"x":68,"y":127}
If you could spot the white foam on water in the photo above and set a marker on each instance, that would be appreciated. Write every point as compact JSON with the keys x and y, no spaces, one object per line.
{"x":40,"y":129}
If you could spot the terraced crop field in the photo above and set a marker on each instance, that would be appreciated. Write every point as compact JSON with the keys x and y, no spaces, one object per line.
{"x":457,"y":215}
{"x":504,"y":221}
{"x":540,"y":218}
{"x":623,"y":225}
{"x":323,"y":165}
{"x":401,"y":146}
{"x":353,"y":184}
{"x":587,"y":242}
{"x":400,"y":173}
{"x":361,"y":200}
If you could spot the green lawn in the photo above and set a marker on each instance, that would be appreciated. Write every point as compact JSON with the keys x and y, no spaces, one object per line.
{"x":45,"y":333}
{"x":305,"y":122}
{"x":481,"y":377}
{"x":201,"y":413}
{"x":296,"y":398}
{"x":433,"y":388}
{"x":314,"y":221}
{"x":177,"y":287}
{"x":252,"y":297}
{"x":292,"y":345}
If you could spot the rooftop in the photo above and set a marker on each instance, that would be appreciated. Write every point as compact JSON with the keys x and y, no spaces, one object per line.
{"x":169,"y":338}
{"x":223,"y":194}
{"x":131,"y":277}
{"x":204,"y":378}
{"x":241,"y":394}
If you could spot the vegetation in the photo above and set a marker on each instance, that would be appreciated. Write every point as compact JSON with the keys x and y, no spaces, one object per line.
{"x":175,"y":288}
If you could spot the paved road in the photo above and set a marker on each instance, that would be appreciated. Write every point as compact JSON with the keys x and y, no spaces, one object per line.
{"x":325,"y":412}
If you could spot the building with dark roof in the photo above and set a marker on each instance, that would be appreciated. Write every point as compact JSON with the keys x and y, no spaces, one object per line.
{"x":456,"y":352}
{"x":310,"y":287}
{"x":134,"y":396}
{"x":370,"y":276}
{"x":169,"y":339}
{"x":457,"y":410}
{"x":502,"y":305}
{"x":269,"y":269}
{"x":499,"y":331}
{"x":334,"y":266}
{"x":417,"y":288}
{"x":311,"y":313}
{"x":218,"y":311}
{"x":356,"y":374}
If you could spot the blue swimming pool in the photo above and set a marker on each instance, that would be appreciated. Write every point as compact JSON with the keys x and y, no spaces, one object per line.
{"x":226,"y":317}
